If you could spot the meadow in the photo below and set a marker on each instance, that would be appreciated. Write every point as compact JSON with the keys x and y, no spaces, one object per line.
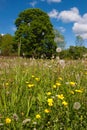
{"x":43,"y":94}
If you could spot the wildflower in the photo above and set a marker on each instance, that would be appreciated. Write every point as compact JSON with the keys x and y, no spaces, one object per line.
{"x":33,"y":76}
{"x":60,"y":78}
{"x":58,"y":49}
{"x":64,"y":103}
{"x":54,"y":86}
{"x":48,"y":93}
{"x":15,"y":116}
{"x":72,"y":83}
{"x":7,"y":84}
{"x":85,"y":72}
{"x":46,"y":110}
{"x":38,"y":116}
{"x":30,"y":85}
{"x":1,"y":124}
{"x":58,"y":84}
{"x":26,"y":121}
{"x":34,"y":123}
{"x":37,"y":79}
{"x":22,"y":113}
{"x":61,"y":96}
{"x":76,"y":105}
{"x":8,"y":120}
{"x":34,"y":129}
{"x":62,"y":63}
{"x":50,"y":102}
{"x":72,"y":92}
{"x":78,"y":91}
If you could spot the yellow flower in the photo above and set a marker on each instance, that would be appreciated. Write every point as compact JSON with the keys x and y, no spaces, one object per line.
{"x":37,"y":79}
{"x":78,"y":90}
{"x":64,"y":103}
{"x":50,"y":102}
{"x":8,"y":120}
{"x":85,"y":72}
{"x":33,"y":76}
{"x":46,"y":110}
{"x":60,"y":78}
{"x":54,"y":86}
{"x":7,"y":84}
{"x":38,"y":116}
{"x":61,"y":96}
{"x":58,"y":84}
{"x":48,"y":93}
{"x":72,"y":83}
{"x":30,"y":85}
{"x":71,"y":92}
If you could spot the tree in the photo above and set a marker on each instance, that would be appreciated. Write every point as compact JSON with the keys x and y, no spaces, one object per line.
{"x":35,"y":33}
{"x":6,"y":44}
{"x":77,"y":52}
{"x":79,"y":41}
{"x":59,"y":39}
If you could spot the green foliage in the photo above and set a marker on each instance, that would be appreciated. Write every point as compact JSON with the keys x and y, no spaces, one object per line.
{"x":36,"y":33}
{"x":6,"y":44}
{"x":74,"y":52}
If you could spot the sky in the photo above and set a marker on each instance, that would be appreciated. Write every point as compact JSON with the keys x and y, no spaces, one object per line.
{"x":67,"y":16}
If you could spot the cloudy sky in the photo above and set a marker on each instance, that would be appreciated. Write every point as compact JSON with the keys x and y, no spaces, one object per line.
{"x":68,"y":16}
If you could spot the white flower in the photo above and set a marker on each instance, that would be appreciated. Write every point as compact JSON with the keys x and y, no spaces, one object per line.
{"x":58,"y":49}
{"x":77,"y":105}
{"x":26,"y":121}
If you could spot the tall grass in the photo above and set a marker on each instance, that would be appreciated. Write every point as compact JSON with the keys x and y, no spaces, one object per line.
{"x":42,"y":95}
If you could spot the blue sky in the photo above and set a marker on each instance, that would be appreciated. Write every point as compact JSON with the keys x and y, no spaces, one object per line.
{"x":68,"y":16}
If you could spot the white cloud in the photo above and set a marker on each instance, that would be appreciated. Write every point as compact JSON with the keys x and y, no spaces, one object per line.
{"x":71,"y":15}
{"x":53,"y":14}
{"x":54,"y":1}
{"x":79,"y":28}
{"x":33,"y":3}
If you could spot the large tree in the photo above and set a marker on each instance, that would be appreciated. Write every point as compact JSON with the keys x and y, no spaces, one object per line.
{"x":35,"y":33}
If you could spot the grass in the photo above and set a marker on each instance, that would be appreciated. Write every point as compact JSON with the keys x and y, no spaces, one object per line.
{"x":42,"y":94}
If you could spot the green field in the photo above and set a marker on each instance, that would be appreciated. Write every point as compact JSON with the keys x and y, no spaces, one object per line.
{"x":43,"y":94}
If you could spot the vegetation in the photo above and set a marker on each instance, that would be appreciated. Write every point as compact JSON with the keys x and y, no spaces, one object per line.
{"x":35,"y":33}
{"x":40,"y":94}
{"x":74,"y":52}
{"x":7,"y":44}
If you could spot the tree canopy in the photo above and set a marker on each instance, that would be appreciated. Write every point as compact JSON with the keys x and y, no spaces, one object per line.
{"x":35,"y":33}
{"x":6,"y":44}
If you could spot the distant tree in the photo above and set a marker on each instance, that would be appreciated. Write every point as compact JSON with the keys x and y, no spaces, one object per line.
{"x":77,"y":52}
{"x":35,"y":33}
{"x":59,"y":39}
{"x":6,"y":44}
{"x":79,"y":41}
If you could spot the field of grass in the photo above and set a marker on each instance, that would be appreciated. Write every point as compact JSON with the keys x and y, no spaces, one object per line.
{"x":43,"y":94}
